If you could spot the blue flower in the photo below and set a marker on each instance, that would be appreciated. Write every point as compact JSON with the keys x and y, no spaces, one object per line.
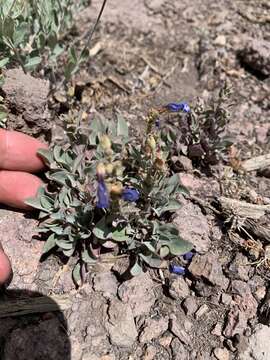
{"x":130,"y":195}
{"x":175,"y":107}
{"x":157,"y":123}
{"x":103,"y":196}
{"x":179,"y":270}
{"x":188,"y":256}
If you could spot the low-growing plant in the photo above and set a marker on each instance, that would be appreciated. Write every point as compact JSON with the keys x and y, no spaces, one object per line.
{"x":31,"y":32}
{"x":201,"y":133}
{"x":110,"y":192}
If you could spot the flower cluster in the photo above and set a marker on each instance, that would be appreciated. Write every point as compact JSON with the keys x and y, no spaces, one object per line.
{"x":136,"y":196}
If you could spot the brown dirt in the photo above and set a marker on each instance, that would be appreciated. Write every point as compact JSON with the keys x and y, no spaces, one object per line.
{"x":150,"y":52}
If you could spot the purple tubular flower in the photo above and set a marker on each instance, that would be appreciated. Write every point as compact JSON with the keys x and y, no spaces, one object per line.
{"x":178,"y":270}
{"x":188,"y":256}
{"x":103,"y":196}
{"x":131,"y":195}
{"x":176,"y":107}
{"x":157,"y":123}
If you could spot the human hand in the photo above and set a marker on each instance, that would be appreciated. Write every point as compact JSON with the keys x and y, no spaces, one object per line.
{"x":18,"y":160}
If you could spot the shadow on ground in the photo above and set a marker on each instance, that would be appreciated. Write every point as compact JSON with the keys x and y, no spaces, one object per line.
{"x":32,"y":326}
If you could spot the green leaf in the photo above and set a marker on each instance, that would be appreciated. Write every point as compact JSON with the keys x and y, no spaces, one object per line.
{"x":178,"y":246}
{"x":136,"y":269}
{"x":122,"y":127}
{"x":33,"y":62}
{"x":50,"y":244}
{"x":172,"y":205}
{"x":101,"y":230}
{"x":77,"y":275}
{"x":59,"y":176}
{"x":152,"y":261}
{"x":46,"y":202}
{"x":119,"y":235}
{"x":35,"y":203}
{"x":68,"y":253}
{"x":164,"y":251}
{"x":46,"y":155}
{"x":4,"y":62}
{"x":88,"y":258}
{"x":64,"y":244}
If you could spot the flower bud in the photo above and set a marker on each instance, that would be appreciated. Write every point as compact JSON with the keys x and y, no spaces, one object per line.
{"x":101,"y":171}
{"x":151,"y":142}
{"x":116,"y":189}
{"x":105,"y":143}
{"x":160,"y":163}
{"x":109,"y":169}
{"x":118,"y":168}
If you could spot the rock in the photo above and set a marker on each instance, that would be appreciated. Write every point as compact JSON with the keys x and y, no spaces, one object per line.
{"x":150,"y":353}
{"x":26,"y":98}
{"x":217,"y":330}
{"x":153,"y":328}
{"x":138,"y":292}
{"x":182,"y":163}
{"x":165,"y":341}
{"x":201,"y":311}
{"x":179,"y":288}
{"x":244,"y":298}
{"x":188,"y":325}
{"x":220,"y":40}
{"x":177,"y":329}
{"x":178,"y":350}
{"x":193,"y":226}
{"x":86,"y":320}
{"x":106,"y":283}
{"x":121,"y":326}
{"x":190,"y":305}
{"x":256,"y":54}
{"x":24,"y":252}
{"x":239,"y":268}
{"x":226,"y":299}
{"x":258,"y":345}
{"x":191,"y":182}
{"x":209,"y":268}
{"x":221,"y":354}
{"x":236,"y":322}
{"x":258,"y":288}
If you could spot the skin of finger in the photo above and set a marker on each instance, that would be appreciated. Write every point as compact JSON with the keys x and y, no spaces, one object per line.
{"x":16,"y":187}
{"x":5,"y":267}
{"x":18,"y":151}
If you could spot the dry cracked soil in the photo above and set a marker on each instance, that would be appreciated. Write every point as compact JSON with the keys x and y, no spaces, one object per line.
{"x":147,"y":53}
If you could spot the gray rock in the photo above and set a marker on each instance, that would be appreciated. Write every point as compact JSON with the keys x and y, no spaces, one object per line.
{"x":201,"y":311}
{"x":106,"y":283}
{"x":209,"y":268}
{"x":29,"y":96}
{"x":138,"y":293}
{"x":153,"y":328}
{"x":121,"y":326}
{"x":179,"y":288}
{"x":236,"y":322}
{"x":221,"y":354}
{"x":226,"y":299}
{"x":190,"y":305}
{"x":178,"y":350}
{"x":193,"y":226}
{"x":239,"y":268}
{"x":244,"y":298}
{"x":177,"y":329}
{"x":258,"y":345}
